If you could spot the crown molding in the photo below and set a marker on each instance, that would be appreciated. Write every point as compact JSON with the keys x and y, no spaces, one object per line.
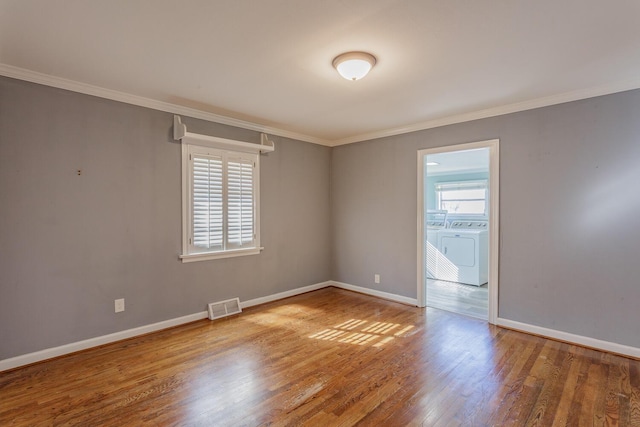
{"x":496,"y":111}
{"x":114,"y":95}
{"x":87,"y":89}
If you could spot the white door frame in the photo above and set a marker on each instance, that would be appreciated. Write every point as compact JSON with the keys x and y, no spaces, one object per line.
{"x":494,"y":232}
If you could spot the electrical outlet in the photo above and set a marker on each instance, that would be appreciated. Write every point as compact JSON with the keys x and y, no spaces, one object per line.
{"x":119,"y":305}
{"x":376,"y":278}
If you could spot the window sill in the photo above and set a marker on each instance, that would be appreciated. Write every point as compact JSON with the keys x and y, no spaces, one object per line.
{"x":205,"y":256}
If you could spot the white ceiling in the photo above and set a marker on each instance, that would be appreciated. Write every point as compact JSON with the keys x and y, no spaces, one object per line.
{"x":465,"y":161}
{"x":267,"y":63}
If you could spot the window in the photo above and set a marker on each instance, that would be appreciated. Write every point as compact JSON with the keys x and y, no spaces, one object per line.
{"x":462,"y":198}
{"x":222,"y":204}
{"x":220,"y":195}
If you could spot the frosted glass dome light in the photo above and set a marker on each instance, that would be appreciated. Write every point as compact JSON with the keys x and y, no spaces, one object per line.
{"x":354,"y":65}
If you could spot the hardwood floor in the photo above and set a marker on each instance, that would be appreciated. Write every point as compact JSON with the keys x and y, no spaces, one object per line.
{"x":328,"y":358}
{"x":458,"y":298}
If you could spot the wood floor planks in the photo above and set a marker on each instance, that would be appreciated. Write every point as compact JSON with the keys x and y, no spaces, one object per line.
{"x":458,"y":298}
{"x":328,"y":358}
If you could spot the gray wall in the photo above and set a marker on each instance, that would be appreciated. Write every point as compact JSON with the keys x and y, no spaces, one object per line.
{"x":70,"y":244}
{"x":569,"y":222}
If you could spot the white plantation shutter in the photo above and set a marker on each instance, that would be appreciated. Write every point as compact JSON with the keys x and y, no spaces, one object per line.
{"x":222,"y":201}
{"x":240,"y":202}
{"x":207,"y":199}
{"x":220,"y":195}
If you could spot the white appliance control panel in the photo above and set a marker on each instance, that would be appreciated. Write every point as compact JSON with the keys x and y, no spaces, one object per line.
{"x":435,"y":224}
{"x":470,"y":225}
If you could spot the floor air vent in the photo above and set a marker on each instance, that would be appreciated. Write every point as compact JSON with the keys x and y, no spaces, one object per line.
{"x":224,"y":308}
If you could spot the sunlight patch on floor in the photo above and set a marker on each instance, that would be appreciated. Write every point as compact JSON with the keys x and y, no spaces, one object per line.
{"x":375,"y":333}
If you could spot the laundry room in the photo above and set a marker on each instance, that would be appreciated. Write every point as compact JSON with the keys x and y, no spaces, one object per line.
{"x":457,"y":223}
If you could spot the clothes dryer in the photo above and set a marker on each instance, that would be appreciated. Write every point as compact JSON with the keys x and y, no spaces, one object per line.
{"x":464,"y":252}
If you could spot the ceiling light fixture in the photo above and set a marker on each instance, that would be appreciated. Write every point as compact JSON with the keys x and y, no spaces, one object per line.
{"x":354,"y":65}
{"x":432,"y":163}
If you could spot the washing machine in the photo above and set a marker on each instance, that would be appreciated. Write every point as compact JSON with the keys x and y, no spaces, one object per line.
{"x":464,"y":253}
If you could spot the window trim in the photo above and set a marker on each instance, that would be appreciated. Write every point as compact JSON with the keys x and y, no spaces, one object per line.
{"x":472,"y":184}
{"x":229,"y":146}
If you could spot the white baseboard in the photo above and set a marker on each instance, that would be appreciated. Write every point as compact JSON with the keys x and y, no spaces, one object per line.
{"x":607,"y":346}
{"x":286,"y":294}
{"x":49,"y":353}
{"x":374,"y":293}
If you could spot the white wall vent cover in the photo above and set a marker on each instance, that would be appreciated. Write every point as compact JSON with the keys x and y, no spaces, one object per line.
{"x":224,"y":308}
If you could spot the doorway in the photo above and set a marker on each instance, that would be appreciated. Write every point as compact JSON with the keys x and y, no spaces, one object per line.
{"x":458,"y":228}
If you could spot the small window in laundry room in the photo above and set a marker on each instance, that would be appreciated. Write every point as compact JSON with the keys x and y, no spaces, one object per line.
{"x":462,"y":197}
